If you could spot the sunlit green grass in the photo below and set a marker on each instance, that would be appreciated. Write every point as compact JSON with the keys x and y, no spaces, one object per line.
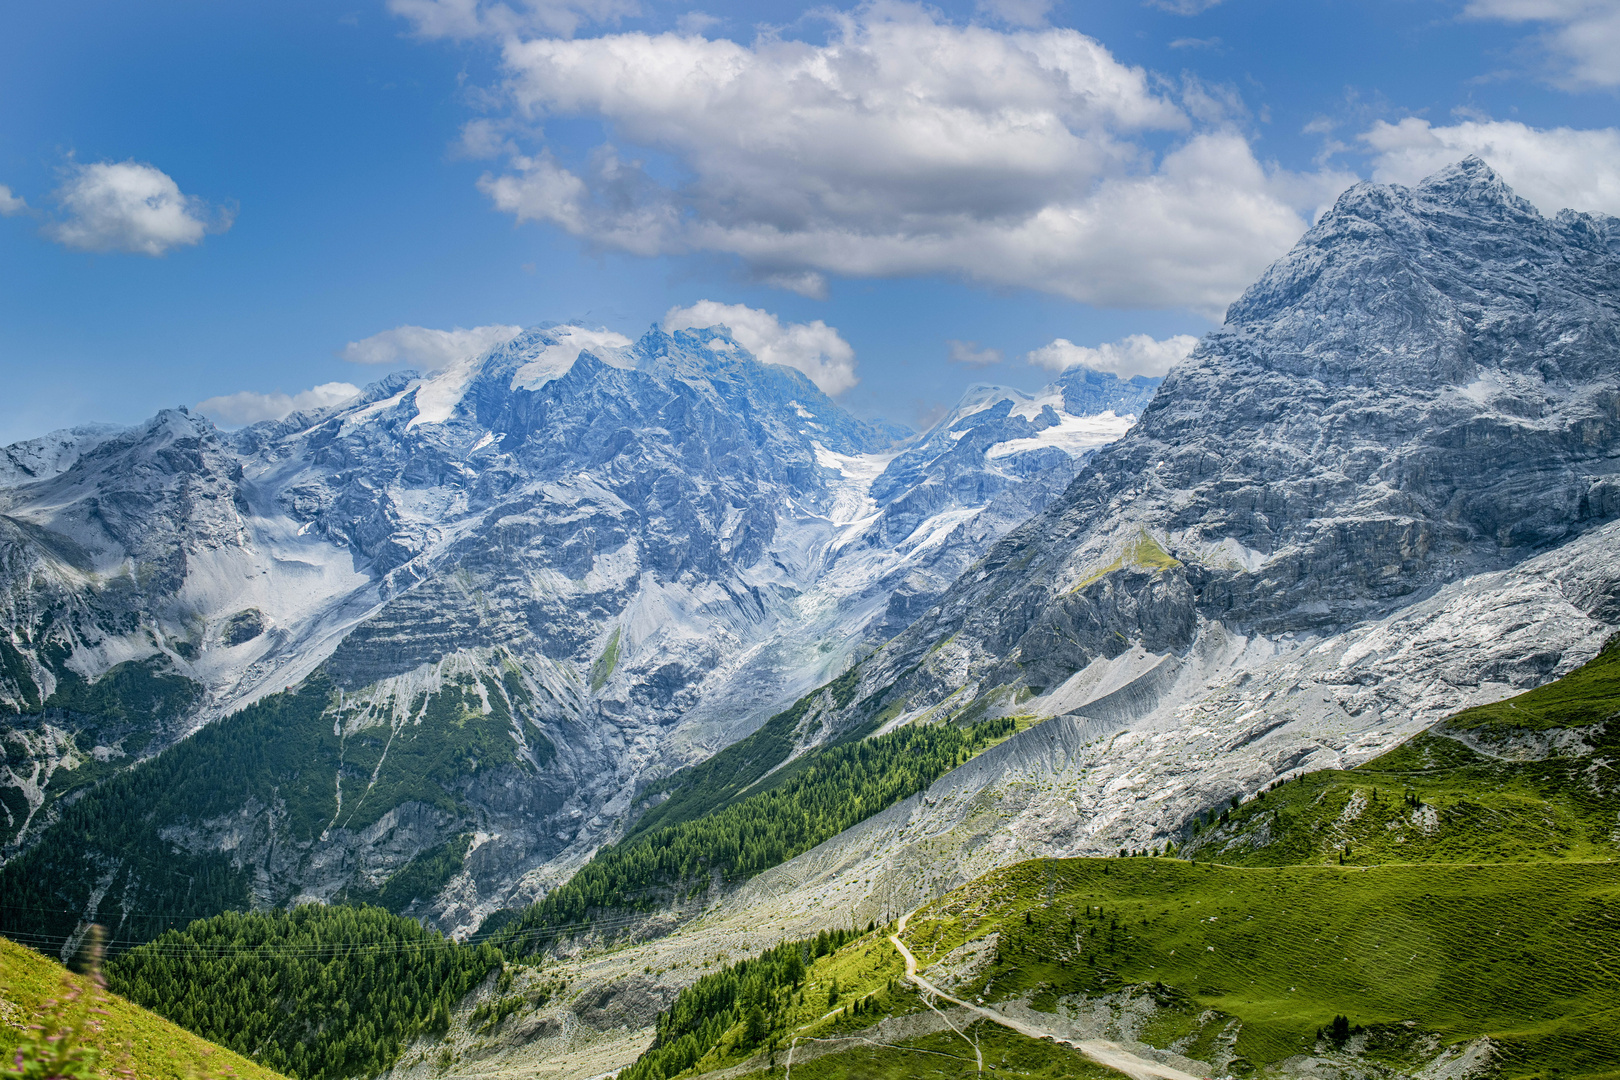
{"x":947,"y":1056}
{"x":1525,"y":954}
{"x":156,"y":1049}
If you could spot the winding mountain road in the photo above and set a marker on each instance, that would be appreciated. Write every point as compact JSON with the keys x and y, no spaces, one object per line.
{"x":1102,"y":1052}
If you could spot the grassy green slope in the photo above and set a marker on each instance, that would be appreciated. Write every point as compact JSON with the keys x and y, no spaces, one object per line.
{"x":157,"y":1049}
{"x":1534,"y":777}
{"x":948,"y":1056}
{"x":1420,"y":957}
{"x":1527,"y":955}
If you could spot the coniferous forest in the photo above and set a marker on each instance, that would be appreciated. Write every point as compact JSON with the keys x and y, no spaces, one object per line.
{"x":317,"y":993}
{"x":809,"y":802}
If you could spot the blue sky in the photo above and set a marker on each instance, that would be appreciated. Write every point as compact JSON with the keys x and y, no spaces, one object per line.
{"x":204,"y":199}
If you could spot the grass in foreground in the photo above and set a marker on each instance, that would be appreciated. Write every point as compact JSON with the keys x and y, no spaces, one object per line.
{"x":1420,"y":956}
{"x":947,"y":1056}
{"x":157,"y":1049}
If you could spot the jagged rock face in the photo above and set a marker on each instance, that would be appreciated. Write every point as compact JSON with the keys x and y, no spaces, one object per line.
{"x":1426,"y":387}
{"x":628,"y":554}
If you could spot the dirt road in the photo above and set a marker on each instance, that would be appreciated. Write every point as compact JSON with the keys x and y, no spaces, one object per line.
{"x":1110,"y":1054}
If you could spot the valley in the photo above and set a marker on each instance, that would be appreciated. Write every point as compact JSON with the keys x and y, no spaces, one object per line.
{"x":602,"y":706}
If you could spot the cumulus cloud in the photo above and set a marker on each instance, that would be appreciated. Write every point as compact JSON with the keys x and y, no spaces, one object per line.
{"x":421,"y":347}
{"x":1554,"y":168}
{"x":1581,"y":37}
{"x":814,"y":348}
{"x":463,"y":19}
{"x":246,"y":407}
{"x":1138,"y":354}
{"x":905,"y":145}
{"x":131,"y":207}
{"x":968,"y":354}
{"x":10,"y":204}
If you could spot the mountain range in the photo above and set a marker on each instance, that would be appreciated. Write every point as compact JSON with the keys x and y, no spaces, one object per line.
{"x":533,"y":582}
{"x":476,"y":637}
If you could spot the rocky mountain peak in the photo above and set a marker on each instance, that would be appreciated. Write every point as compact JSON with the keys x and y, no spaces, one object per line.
{"x":1439,"y":285}
{"x":1471,"y":187}
{"x":1426,"y":387}
{"x":598,"y":558}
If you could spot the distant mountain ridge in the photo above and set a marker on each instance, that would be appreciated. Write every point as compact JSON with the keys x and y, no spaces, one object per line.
{"x":1384,"y":491}
{"x":615,"y":556}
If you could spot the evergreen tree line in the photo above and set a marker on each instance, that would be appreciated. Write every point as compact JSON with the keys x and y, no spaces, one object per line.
{"x":317,"y":993}
{"x":755,"y":993}
{"x":278,"y":751}
{"x":843,"y":785}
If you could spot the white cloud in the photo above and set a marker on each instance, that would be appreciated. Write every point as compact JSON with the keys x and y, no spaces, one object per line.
{"x":696,"y":22}
{"x":968,"y":354}
{"x":246,"y":407}
{"x":1554,"y":168}
{"x":813,"y":348}
{"x":127,"y":206}
{"x":462,"y":19}
{"x":420,"y":347}
{"x":10,"y":204}
{"x":1582,"y":36}
{"x":1138,"y":354}
{"x":906,"y":145}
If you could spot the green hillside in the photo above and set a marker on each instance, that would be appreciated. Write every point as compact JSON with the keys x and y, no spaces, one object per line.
{"x":1459,"y":893}
{"x":156,"y":1048}
{"x":1421,"y":956}
{"x":1534,"y":777}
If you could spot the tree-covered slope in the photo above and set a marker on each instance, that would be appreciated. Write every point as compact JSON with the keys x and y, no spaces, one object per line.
{"x":317,"y":993}
{"x":190,"y":831}
{"x":739,"y":834}
{"x":130,"y":1036}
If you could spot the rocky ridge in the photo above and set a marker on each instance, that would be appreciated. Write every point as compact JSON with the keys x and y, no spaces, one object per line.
{"x":1383,"y":492}
{"x":627,"y":553}
{"x":1424,"y":389}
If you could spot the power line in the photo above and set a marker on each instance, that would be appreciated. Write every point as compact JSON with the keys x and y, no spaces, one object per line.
{"x":328,"y":949}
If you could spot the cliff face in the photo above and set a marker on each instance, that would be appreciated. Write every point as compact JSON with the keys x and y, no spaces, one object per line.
{"x":1427,"y":387}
